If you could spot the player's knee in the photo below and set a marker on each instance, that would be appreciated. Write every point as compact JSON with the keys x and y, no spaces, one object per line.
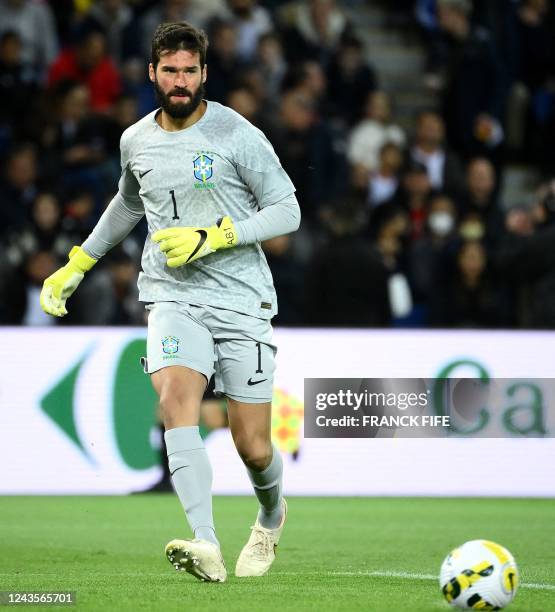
{"x":257,"y":462}
{"x":256,"y":454}
{"x":175,"y":402}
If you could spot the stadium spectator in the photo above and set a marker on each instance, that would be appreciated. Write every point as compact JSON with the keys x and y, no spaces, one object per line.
{"x":18,"y":186}
{"x":87,"y":63}
{"x":226,"y":67}
{"x":136,"y":84}
{"x":288,"y":280}
{"x":114,"y":18}
{"x":351,"y":79}
{"x":125,"y":113}
{"x":479,"y":204}
{"x":313,"y":30}
{"x":501,"y":19}
{"x":252,"y":78}
{"x":66,"y":13}
{"x":533,"y":93}
{"x":242,"y":100}
{"x":390,"y":228}
{"x":122,"y":307}
{"x":272,"y":66}
{"x":443,"y":166}
{"x":73,"y":138}
{"x":384,"y":182}
{"x":537,"y":46}
{"x":19,"y":285}
{"x":367,"y":137}
{"x":472,"y":96}
{"x":308,"y":79}
{"x":81,"y":209}
{"x":308,"y":150}
{"x":470,"y":297}
{"x":44,"y":232}
{"x":77,"y":144}
{"x":251,"y":21}
{"x":34,"y":23}
{"x":43,"y":242}
{"x":347,"y":281}
{"x":414,"y":196}
{"x":201,"y":11}
{"x":431,"y":254}
{"x":526,"y":259}
{"x":18,"y":90}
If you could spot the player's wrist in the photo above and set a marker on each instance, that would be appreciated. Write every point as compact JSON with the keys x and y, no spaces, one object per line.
{"x":80,"y":261}
{"x":227,"y":233}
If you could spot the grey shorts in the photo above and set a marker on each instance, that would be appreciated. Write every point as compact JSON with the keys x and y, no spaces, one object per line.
{"x":235,"y":347}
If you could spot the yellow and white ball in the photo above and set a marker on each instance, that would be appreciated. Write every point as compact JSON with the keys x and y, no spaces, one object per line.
{"x":479,"y":575}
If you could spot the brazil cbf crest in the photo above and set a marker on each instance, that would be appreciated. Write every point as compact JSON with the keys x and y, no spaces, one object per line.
{"x":170,"y":345}
{"x":203,"y":167}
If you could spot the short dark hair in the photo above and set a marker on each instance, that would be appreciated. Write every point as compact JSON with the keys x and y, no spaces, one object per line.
{"x":175,"y":36}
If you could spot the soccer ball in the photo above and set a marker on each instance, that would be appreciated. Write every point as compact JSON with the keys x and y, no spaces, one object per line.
{"x":479,"y":574}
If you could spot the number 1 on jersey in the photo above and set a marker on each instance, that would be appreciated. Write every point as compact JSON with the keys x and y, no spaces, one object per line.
{"x":175,"y":215}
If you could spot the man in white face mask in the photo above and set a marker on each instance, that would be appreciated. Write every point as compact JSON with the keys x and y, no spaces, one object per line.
{"x":441,"y":217}
{"x":441,"y":223}
{"x":430,"y":255}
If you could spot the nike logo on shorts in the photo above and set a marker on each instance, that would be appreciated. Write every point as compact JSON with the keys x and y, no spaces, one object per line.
{"x":177,"y":469}
{"x":141,"y":174}
{"x":252,"y":382}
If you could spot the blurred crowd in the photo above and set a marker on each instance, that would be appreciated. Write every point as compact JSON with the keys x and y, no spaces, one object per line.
{"x":403,"y":225}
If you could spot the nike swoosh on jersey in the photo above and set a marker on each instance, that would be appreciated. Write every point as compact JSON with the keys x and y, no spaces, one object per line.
{"x":252,"y":382}
{"x":141,"y":174}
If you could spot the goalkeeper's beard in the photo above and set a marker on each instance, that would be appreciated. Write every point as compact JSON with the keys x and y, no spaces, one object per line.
{"x":179,"y":110}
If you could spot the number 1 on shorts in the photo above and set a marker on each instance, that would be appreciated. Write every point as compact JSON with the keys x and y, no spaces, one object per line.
{"x":259,"y":369}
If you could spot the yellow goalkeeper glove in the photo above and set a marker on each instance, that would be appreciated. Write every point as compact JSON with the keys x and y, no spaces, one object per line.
{"x":60,"y":285}
{"x":182,"y":245}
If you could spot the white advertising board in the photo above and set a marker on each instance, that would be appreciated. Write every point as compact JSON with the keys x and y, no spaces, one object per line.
{"x":77,"y":415}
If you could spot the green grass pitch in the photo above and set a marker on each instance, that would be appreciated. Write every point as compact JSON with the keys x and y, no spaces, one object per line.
{"x":335,"y":554}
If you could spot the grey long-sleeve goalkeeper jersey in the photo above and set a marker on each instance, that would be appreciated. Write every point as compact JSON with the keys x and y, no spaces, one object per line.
{"x":221,"y":165}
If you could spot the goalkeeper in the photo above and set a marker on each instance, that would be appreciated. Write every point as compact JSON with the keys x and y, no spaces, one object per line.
{"x":211,"y":188}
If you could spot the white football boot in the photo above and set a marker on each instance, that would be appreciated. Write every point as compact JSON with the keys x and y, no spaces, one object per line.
{"x":259,"y":552}
{"x":200,"y":558}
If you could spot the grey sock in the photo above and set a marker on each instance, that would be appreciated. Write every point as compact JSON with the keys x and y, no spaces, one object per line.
{"x":267,"y":487}
{"x":192,"y":478}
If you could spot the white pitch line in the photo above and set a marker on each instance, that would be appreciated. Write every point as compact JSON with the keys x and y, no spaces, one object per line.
{"x":370,"y":574}
{"x":536,"y":585}
{"x":410,"y":576}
